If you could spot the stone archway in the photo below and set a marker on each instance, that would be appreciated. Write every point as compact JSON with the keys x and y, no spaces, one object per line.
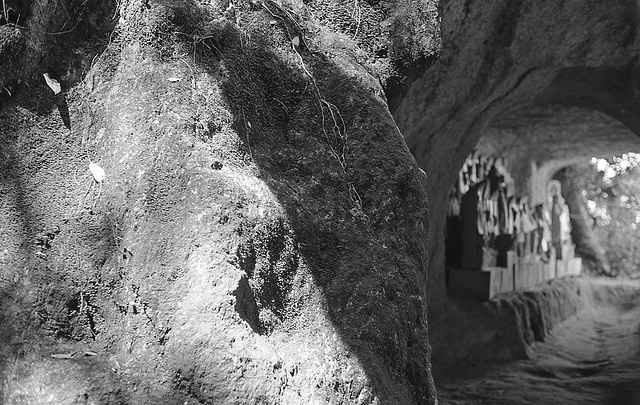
{"x":519,"y":77}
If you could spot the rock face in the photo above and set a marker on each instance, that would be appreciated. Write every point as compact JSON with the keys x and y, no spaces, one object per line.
{"x":538,"y":83}
{"x":260,"y":236}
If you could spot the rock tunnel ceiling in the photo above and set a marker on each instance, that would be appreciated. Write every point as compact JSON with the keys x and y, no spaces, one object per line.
{"x":558,"y":132}
{"x":583,"y":112}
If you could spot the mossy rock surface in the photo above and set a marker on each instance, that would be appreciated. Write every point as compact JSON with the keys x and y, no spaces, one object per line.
{"x":259,"y":238}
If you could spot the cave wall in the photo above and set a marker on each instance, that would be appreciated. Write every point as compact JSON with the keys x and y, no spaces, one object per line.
{"x":502,"y":60}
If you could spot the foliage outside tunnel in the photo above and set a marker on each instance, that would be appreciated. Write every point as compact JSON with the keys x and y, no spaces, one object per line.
{"x":611,"y":191}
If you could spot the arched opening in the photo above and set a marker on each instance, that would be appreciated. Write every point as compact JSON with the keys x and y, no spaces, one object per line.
{"x":516,"y":223}
{"x":526,"y":148}
{"x":540,"y":86}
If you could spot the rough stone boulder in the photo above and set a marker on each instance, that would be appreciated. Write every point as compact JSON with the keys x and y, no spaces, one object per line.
{"x":260,"y":234}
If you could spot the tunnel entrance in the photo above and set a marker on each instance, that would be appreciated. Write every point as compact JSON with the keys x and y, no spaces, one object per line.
{"x":540,"y":86}
{"x":504,"y":301}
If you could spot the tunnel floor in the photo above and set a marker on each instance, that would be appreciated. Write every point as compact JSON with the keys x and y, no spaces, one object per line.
{"x":593,"y":358}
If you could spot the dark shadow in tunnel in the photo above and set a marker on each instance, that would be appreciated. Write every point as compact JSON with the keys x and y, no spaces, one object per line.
{"x":314,"y":140}
{"x":628,"y":393}
{"x":610,"y":90}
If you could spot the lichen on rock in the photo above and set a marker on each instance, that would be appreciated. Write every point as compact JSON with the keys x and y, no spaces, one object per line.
{"x":260,"y":233}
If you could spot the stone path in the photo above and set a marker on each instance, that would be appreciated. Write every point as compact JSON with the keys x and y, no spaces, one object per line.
{"x":590,"y":359}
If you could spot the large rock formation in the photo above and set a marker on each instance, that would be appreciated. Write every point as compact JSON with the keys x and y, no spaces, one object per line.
{"x":260,"y":235}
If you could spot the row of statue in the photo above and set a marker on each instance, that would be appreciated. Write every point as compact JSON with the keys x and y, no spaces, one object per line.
{"x":485,"y":217}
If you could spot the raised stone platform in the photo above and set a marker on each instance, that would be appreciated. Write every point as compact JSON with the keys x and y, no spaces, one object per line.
{"x":521,"y":274}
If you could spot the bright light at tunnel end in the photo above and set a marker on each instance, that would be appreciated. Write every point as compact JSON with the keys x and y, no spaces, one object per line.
{"x":620,"y":164}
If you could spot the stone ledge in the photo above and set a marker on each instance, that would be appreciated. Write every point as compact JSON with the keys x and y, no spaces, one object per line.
{"x":506,"y":327}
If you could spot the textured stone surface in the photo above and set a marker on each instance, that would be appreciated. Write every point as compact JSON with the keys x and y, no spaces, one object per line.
{"x":261,"y":234}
